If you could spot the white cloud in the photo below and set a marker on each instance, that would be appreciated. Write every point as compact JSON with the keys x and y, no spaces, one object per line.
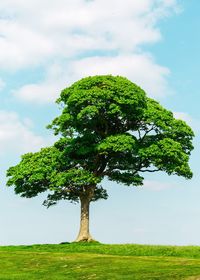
{"x":139,"y":68}
{"x":158,"y":186}
{"x":38,"y":33}
{"x":2,"y":84}
{"x":183,"y":116}
{"x":16,"y":135}
{"x":131,"y":66}
{"x":46,"y":91}
{"x":194,"y":123}
{"x":38,"y":93}
{"x":32,"y":34}
{"x":21,"y":46}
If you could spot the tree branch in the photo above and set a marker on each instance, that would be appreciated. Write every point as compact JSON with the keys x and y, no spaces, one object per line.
{"x":101,"y":162}
{"x":145,"y":134}
{"x":149,"y":170}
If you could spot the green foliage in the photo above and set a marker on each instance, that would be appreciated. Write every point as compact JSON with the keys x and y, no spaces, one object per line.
{"x":108,"y":127}
{"x":49,"y":170}
{"x":117,"y":143}
{"x":104,"y":105}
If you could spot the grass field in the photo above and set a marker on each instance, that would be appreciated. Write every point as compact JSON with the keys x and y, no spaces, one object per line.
{"x":99,"y":261}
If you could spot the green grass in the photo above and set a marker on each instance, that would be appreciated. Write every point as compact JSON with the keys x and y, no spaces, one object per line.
{"x":99,"y":261}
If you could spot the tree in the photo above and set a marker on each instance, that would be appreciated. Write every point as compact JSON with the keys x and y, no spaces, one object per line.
{"x":108,"y":128}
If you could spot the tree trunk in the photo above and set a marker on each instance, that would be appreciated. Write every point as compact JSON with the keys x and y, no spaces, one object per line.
{"x":84,"y":232}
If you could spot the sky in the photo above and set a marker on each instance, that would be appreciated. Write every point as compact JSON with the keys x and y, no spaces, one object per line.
{"x":45,"y":46}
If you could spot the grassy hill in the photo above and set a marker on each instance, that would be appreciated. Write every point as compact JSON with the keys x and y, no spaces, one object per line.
{"x":99,"y":261}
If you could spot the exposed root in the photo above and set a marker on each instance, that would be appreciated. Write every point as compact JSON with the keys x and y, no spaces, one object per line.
{"x":84,"y":239}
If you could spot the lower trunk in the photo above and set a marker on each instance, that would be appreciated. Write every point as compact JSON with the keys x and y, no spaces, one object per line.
{"x":84,"y":232}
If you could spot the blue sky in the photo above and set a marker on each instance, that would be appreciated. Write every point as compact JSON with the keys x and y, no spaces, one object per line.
{"x":46,"y":46}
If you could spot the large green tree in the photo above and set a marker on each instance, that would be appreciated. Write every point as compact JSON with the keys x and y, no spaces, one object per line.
{"x":109,"y":128}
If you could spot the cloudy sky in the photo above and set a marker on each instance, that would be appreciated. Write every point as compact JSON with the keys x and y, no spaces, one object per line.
{"x":47,"y":45}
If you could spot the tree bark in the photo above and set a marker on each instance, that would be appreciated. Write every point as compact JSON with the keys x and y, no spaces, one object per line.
{"x":84,"y":232}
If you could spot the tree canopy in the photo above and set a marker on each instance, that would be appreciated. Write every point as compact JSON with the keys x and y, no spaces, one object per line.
{"x":109,"y":128}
